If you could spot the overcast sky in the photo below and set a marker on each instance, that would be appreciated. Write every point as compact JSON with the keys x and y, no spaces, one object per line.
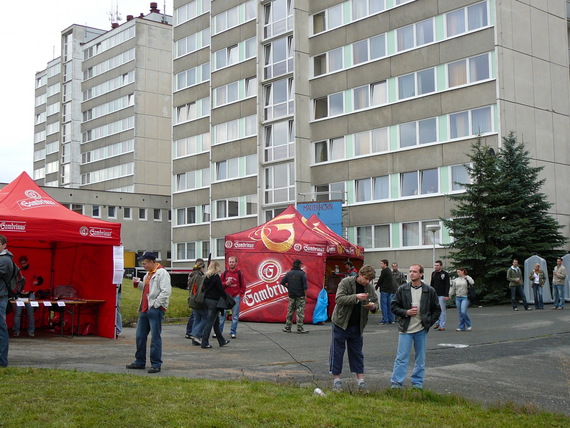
{"x":31,"y":38}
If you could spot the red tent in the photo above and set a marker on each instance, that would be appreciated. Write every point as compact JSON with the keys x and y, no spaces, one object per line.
{"x":266,"y":253}
{"x":66,"y":247}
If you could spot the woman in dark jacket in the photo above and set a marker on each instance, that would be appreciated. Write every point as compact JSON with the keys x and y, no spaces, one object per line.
{"x":214,"y":290}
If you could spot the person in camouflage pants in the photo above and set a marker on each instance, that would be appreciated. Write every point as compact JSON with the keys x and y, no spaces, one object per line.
{"x":296,"y":283}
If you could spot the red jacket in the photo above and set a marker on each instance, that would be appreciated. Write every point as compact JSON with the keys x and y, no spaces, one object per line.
{"x":233,"y":282}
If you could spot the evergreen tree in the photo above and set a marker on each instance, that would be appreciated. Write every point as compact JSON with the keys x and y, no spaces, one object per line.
{"x":502,"y":215}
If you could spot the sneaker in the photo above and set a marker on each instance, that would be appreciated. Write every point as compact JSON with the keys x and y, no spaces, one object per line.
{"x":417,"y":386}
{"x":553,"y":308}
{"x":154,"y":370}
{"x":559,"y":308}
{"x":436,"y":326}
{"x":301,"y":331}
{"x":233,"y":336}
{"x":337,"y":386}
{"x":31,"y":335}
{"x":441,"y":329}
{"x":468,"y":328}
{"x":459,"y":329}
{"x":362,"y":389}
{"x":395,"y":386}
{"x":134,"y":366}
{"x":286,"y":330}
{"x":214,"y":335}
{"x":515,"y":309}
{"x":528,"y":309}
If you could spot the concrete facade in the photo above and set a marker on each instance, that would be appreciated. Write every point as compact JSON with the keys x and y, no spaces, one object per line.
{"x":376,"y":101}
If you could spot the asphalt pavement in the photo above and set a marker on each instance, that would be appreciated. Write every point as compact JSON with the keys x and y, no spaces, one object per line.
{"x":521,"y":357}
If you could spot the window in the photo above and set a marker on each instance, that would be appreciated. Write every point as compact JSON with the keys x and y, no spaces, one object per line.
{"x":279,"y":141}
{"x":429,"y":181}
{"x":411,"y":234}
{"x":326,"y":192}
{"x":406,"y":86}
{"x":332,"y":149}
{"x":467,"y":19}
{"x":280,"y":183}
{"x":111,"y":211}
{"x":278,"y":17}
{"x":157,"y":214}
{"x":364,"y":236}
{"x":455,"y":22}
{"x":428,"y":236}
{"x":377,"y":236}
{"x":474,"y":122}
{"x":424,"y":132}
{"x":278,"y":57}
{"x":459,"y":124}
{"x":409,"y":183}
{"x":382,"y":236}
{"x":459,"y":177}
{"x":481,"y":121}
{"x":478,"y":67}
{"x":96,"y":211}
{"x":127,"y":213}
{"x":372,"y":189}
{"x":336,"y":104}
{"x":142,"y":213}
{"x":279,"y":97}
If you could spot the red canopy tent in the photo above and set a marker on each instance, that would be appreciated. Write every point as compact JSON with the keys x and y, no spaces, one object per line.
{"x":266,"y":253}
{"x":67,"y":247}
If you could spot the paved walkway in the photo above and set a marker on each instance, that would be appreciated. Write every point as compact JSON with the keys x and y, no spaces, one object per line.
{"x":523,"y":357}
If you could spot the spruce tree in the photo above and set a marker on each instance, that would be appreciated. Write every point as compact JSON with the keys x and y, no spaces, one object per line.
{"x":502,"y":215}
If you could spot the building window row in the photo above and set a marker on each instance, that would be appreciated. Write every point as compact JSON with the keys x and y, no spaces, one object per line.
{"x":108,"y":108}
{"x":278,"y":17}
{"x":54,"y":70}
{"x":235,"y":54}
{"x":194,"y":76}
{"x":396,"y":235}
{"x":349,"y":11}
{"x":52,"y":147}
{"x":240,"y":206}
{"x":39,"y":173}
{"x":192,"y":43}
{"x":53,"y":108}
{"x":192,"y":215}
{"x":53,"y":89}
{"x":458,"y":73}
{"x":40,"y":99}
{"x":190,"y":251}
{"x":235,"y":129}
{"x":39,"y":154}
{"x":108,"y":151}
{"x":278,"y":57}
{"x":233,"y":17}
{"x":39,"y":136}
{"x":107,"y":174}
{"x":109,"y":85}
{"x":192,"y":111}
{"x":109,"y":64}
{"x":395,"y":41}
{"x":235,"y":91}
{"x":52,"y":128}
{"x":233,"y":168}
{"x":431,"y":130}
{"x":52,"y":167}
{"x":192,"y":180}
{"x":41,"y":81}
{"x":109,"y":129}
{"x":40,"y":117}
{"x":192,"y":145}
{"x":190,"y":11}
{"x":108,"y":43}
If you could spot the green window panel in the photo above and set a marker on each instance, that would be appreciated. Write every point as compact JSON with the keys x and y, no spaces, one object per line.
{"x":441,"y":78}
{"x":395,"y":186}
{"x":443,"y":129}
{"x":444,"y":179}
{"x":393,"y":137}
{"x":439,"y":28}
{"x":396,"y":235}
{"x":391,"y":43}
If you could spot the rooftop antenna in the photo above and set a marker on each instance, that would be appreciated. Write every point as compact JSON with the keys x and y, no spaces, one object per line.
{"x":164,"y":20}
{"x":114,"y":15}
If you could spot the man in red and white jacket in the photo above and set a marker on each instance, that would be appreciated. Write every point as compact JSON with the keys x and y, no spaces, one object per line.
{"x":232,"y":279}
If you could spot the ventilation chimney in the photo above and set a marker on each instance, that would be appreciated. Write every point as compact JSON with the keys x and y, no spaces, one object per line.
{"x":114,"y":25}
{"x":130,"y":17}
{"x":153,"y":7}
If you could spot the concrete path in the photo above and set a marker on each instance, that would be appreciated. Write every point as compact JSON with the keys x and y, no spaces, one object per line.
{"x":523,"y":357}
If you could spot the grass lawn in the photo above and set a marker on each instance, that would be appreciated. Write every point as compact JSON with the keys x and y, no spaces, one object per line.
{"x":178,"y":310}
{"x":61,"y":398}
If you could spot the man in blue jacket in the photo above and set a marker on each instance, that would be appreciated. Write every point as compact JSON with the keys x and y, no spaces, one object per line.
{"x":417,"y":306}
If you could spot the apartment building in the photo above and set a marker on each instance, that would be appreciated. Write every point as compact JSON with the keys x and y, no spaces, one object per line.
{"x":373,"y":102}
{"x":103,"y":109}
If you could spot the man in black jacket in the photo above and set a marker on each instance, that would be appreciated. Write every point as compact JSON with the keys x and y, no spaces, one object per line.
{"x":418,"y":308}
{"x":387,"y":289}
{"x":440,"y":282}
{"x":296,"y":283}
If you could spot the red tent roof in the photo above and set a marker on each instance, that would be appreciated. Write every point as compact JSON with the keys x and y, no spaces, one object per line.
{"x":286,"y":233}
{"x":337,"y":244}
{"x":29,"y":213}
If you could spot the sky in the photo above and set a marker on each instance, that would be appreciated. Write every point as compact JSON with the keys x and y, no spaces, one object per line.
{"x":29,"y":43}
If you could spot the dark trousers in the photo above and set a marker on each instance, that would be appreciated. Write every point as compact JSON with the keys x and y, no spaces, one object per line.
{"x":341,"y":340}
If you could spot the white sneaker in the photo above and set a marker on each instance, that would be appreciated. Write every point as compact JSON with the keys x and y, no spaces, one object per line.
{"x":468,"y":328}
{"x":337,"y":386}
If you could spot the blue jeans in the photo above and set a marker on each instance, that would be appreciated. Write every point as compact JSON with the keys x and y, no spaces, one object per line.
{"x":405,"y":341}
{"x":352,"y":338}
{"x":18,"y":318}
{"x":558,"y":296}
{"x":190,"y":324}
{"x":385,"y":300}
{"x":3,"y":333}
{"x":462,"y":303}
{"x":200,"y":317}
{"x":443,"y":316}
{"x":537,"y":291}
{"x":235,"y":317}
{"x":212,"y":320}
{"x":149,"y":322}
{"x":518,"y":290}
